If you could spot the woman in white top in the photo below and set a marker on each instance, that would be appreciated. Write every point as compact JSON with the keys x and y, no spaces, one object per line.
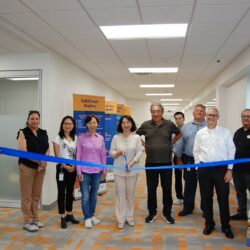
{"x":65,"y":147}
{"x":126,"y":149}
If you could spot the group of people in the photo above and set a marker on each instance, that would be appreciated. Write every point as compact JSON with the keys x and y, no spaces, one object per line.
{"x":199,"y":141}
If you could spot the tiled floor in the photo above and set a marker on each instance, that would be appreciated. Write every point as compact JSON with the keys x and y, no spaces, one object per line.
{"x":186,"y":233}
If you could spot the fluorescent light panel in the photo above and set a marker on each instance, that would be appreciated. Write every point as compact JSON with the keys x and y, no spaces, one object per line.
{"x":170,"y":104}
{"x":157,"y":85}
{"x":121,"y":32}
{"x":171,"y":100}
{"x":153,"y":70}
{"x":159,"y":94}
{"x":22,"y":78}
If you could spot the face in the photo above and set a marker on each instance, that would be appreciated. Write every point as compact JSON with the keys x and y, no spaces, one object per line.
{"x":156,"y":113}
{"x":92,"y":125}
{"x":199,"y":113}
{"x":34,"y":121}
{"x":212,"y":117}
{"x":68,"y":125}
{"x":126,"y":125}
{"x":179,"y":120}
{"x":245,"y":119}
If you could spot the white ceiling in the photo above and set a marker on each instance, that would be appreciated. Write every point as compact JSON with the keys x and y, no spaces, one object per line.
{"x":217,"y":30}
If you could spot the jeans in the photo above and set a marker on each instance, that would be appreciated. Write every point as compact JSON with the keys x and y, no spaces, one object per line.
{"x":89,"y":188}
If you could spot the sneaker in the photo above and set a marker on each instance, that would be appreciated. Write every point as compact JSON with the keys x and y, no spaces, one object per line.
{"x":71,"y":218}
{"x":150,"y":218}
{"x":30,"y":228}
{"x":38,"y":223}
{"x":131,"y":223}
{"x":169,"y":219}
{"x":88,"y":223}
{"x":120,"y":225}
{"x":95,"y":221}
{"x":238,"y":217}
{"x":178,"y":202}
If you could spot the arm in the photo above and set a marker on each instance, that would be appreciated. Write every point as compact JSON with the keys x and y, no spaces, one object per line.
{"x":78,"y":156}
{"x":196,"y":148}
{"x":137,"y":153}
{"x":103,"y":156}
{"x":113,"y":152}
{"x":177,"y":137}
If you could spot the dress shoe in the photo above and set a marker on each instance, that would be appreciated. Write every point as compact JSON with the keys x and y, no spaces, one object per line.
{"x":238,"y":217}
{"x":71,"y":218}
{"x":184,"y":213}
{"x":228,"y":232}
{"x":208,"y":229}
{"x":63,"y":223}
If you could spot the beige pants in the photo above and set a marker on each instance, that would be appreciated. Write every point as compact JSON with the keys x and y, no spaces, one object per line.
{"x":125,"y":193}
{"x":31,"y":183}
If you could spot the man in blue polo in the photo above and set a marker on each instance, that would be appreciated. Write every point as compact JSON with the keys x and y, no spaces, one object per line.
{"x":184,"y":153}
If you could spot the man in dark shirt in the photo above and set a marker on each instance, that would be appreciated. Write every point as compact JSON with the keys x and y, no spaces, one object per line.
{"x":158,"y":141}
{"x":241,"y":172}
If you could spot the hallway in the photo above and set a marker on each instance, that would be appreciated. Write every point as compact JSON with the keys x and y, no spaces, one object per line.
{"x":186,"y":233}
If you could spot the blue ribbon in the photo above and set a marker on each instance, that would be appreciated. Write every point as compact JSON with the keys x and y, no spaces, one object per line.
{"x":48,"y":158}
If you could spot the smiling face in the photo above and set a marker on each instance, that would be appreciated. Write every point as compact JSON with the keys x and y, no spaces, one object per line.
{"x":212,"y":117}
{"x":245,"y":118}
{"x":179,"y":120}
{"x":33,"y":121}
{"x":92,"y":125}
{"x":199,"y":113}
{"x":126,"y":125}
{"x":68,"y":125}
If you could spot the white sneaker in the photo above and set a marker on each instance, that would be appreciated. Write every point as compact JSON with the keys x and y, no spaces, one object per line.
{"x":88,"y":223}
{"x":95,"y":221}
{"x":178,"y":202}
{"x":120,"y":225}
{"x":30,"y":228}
{"x":131,"y":223}
{"x":38,"y":224}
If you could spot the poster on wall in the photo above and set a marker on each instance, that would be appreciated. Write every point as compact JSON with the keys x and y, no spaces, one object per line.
{"x":84,"y":105}
{"x":111,"y":126}
{"x":127,"y":110}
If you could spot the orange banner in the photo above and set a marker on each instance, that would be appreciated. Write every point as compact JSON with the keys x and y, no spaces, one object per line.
{"x":110,"y":107}
{"x":127,"y":110}
{"x":88,"y":103}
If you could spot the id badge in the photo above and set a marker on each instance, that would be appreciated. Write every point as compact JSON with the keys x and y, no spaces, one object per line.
{"x":61,"y":176}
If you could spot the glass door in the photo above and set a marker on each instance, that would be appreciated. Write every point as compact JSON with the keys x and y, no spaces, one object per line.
{"x":19,"y":94}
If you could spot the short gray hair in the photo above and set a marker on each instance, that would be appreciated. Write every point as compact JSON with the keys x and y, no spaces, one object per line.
{"x":158,"y":105}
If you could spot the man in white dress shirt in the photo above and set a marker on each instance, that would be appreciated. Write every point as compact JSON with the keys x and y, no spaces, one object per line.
{"x":214,"y":143}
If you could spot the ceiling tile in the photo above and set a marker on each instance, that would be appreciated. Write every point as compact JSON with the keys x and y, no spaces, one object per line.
{"x":40,"y":5}
{"x":11,"y":6}
{"x":97,"y":4}
{"x":165,"y":2}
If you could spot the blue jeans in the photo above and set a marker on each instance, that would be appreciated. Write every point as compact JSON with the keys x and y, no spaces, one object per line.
{"x":89,"y":188}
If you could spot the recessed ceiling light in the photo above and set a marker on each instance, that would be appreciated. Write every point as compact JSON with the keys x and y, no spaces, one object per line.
{"x":170,"y":104}
{"x":171,"y":100}
{"x":144,"y":31}
{"x":153,"y":70}
{"x":22,"y":78}
{"x":159,"y":94}
{"x":210,"y":102}
{"x":157,"y":85}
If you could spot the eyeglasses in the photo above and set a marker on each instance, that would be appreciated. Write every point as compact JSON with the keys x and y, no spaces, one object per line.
{"x":212,"y":115}
{"x":245,"y":116}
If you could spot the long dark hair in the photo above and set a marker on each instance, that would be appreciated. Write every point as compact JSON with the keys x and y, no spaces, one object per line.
{"x":72,"y":132}
{"x":31,"y":112}
{"x":129,"y":118}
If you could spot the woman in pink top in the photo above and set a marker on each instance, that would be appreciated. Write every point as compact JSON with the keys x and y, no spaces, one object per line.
{"x":90,"y":148}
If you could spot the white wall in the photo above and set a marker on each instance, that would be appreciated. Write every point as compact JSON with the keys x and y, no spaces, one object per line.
{"x":140,"y":110}
{"x":235,"y":102}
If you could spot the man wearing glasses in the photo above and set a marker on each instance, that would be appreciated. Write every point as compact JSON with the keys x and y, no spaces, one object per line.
{"x":214,"y":143}
{"x":241,"y":172}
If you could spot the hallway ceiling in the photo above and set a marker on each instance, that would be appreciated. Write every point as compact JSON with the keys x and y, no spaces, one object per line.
{"x":218,"y":31}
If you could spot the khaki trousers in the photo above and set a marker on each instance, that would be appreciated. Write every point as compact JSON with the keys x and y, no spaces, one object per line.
{"x":31,"y":182}
{"x":125,"y":193}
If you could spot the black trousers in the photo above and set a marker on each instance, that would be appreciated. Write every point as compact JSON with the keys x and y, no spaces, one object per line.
{"x":210,"y":178}
{"x":152,"y":177}
{"x":241,"y":184}
{"x":190,"y":178}
{"x":178,"y":180}
{"x":65,"y":188}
